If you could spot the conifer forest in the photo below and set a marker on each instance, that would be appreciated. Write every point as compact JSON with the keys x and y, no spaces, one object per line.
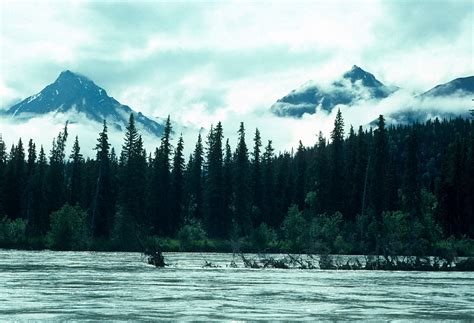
{"x":406,"y":189}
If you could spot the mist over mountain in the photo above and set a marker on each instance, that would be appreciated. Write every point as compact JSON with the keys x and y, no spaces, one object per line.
{"x":445,"y":101}
{"x":354,"y":86}
{"x":358,"y":88}
{"x":78,"y":99}
{"x":361,"y":96}
{"x":462,"y":86}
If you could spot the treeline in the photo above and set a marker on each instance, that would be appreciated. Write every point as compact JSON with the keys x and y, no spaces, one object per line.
{"x":398,"y":189}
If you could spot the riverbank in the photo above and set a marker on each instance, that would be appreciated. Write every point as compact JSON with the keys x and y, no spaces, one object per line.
{"x":452,"y":247}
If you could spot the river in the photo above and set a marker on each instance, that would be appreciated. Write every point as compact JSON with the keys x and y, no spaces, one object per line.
{"x":47,"y":285}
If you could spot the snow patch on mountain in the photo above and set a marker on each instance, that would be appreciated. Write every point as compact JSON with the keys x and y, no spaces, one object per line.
{"x":354,"y":86}
{"x":75,"y":93}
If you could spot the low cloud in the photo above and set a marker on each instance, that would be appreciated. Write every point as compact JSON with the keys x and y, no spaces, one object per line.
{"x":203,"y":62}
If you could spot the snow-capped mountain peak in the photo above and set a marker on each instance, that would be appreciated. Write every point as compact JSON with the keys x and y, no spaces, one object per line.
{"x":79,"y":97}
{"x":353,"y":86}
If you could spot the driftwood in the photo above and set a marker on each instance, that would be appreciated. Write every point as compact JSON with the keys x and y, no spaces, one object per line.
{"x":249,"y":263}
{"x":328,"y":262}
{"x":156,"y":259}
{"x":208,"y":264}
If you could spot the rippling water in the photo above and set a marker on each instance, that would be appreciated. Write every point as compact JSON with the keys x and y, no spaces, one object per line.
{"x":121,"y":286}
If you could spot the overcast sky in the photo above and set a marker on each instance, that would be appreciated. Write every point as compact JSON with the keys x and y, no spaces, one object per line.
{"x":228,"y":60}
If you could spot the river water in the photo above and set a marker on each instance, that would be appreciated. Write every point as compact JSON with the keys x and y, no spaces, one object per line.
{"x":50,"y":285}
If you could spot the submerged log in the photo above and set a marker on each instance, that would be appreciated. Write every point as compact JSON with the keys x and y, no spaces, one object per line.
{"x":249,"y":263}
{"x":208,"y":264}
{"x":156,"y":258}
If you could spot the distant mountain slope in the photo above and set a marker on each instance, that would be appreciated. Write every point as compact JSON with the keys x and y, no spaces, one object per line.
{"x":445,"y":101}
{"x":354,"y":86}
{"x":79,"y":97}
{"x":460,"y":86}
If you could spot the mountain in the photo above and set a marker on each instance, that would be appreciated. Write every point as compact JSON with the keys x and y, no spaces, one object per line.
{"x":77,"y":97}
{"x":461,"y":87}
{"x":445,"y":101}
{"x":354,"y":86}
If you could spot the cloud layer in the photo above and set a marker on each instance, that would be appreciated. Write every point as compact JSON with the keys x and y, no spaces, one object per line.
{"x":207,"y":61}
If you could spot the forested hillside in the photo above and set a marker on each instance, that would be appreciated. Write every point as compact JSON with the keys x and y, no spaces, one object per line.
{"x":399,"y":190}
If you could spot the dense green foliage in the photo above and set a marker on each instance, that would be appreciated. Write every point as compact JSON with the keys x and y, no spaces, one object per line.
{"x":405,"y":190}
{"x":69,"y":229}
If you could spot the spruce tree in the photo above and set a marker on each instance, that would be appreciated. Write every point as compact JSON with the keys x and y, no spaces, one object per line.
{"x":28,"y":190}
{"x":56,"y":175}
{"x":194,"y":182}
{"x":337,"y":166}
{"x":161,"y":184}
{"x":75,"y":176}
{"x":283,"y":188}
{"x":129,"y":220}
{"x":38,"y":221}
{"x":214,"y":193}
{"x":380,"y":169}
{"x":102,"y":201}
{"x":256,"y":181}
{"x":300,"y":185}
{"x":177,"y":185}
{"x":228,"y":190}
{"x":242,"y":185}
{"x":350,"y":205}
{"x":14,"y":178}
{"x":268,"y":185}
{"x":320,"y":175}
{"x":360,"y":174}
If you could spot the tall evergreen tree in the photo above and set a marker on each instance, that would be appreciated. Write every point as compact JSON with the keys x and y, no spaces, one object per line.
{"x":360,"y":174}
{"x":161,"y":214}
{"x":38,"y":220}
{"x":380,"y":169}
{"x":256,"y":180}
{"x":320,"y":175}
{"x":283,"y":188}
{"x":130,"y":220}
{"x":56,"y":175}
{"x":102,"y":202}
{"x":217,"y":225}
{"x":75,"y":177}
{"x":300,"y":188}
{"x":177,"y":185}
{"x":28,"y":191}
{"x":268,"y":185}
{"x":242,"y":184}
{"x":194,"y":182}
{"x":14,"y":177}
{"x":337,"y":165}
{"x":227,"y":182}
{"x":350,"y":172}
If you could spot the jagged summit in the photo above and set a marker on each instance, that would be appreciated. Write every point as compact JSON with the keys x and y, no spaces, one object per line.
{"x":79,"y":96}
{"x":69,"y":77}
{"x":353,"y":86}
{"x":358,"y":74}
